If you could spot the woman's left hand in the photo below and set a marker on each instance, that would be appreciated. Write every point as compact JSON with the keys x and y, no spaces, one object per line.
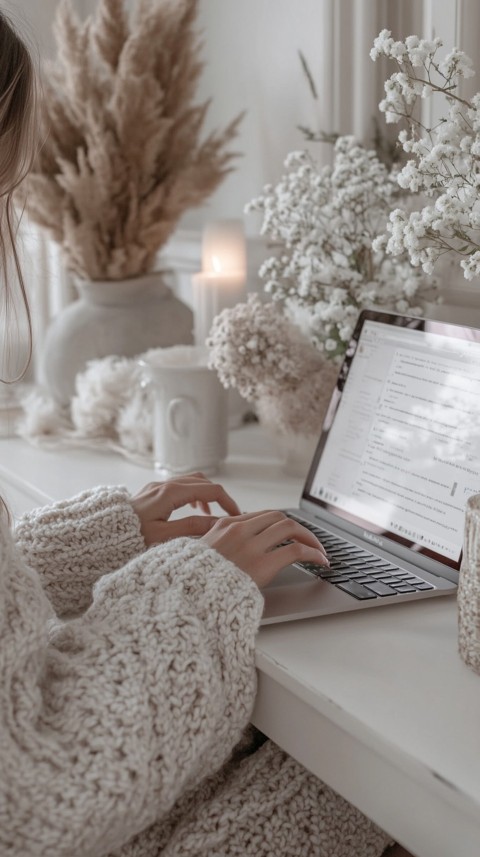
{"x":156,"y":501}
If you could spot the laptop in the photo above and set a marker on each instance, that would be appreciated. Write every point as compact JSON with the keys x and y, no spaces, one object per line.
{"x":397,"y":458}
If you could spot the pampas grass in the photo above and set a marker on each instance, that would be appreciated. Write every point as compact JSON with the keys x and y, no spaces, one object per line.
{"x":123,"y":156}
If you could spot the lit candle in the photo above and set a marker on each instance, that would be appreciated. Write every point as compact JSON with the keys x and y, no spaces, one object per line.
{"x":222,"y":282}
{"x":223,"y":247}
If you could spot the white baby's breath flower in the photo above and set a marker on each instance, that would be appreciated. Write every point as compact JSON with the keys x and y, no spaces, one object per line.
{"x":323,"y":221}
{"x":471,"y":266}
{"x":330,"y":345}
{"x":444,"y":163}
{"x":456,"y":63}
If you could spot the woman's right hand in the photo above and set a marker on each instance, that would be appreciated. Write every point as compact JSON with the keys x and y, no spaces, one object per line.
{"x":262,"y":543}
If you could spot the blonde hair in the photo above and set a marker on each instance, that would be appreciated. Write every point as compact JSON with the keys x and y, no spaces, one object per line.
{"x":18,"y":144}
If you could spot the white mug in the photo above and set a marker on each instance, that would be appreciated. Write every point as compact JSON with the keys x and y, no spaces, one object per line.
{"x":189,"y":410}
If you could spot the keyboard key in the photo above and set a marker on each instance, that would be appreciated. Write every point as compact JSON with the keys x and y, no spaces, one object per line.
{"x":356,"y":589}
{"x":312,"y":566}
{"x":383,"y":564}
{"x":338,"y":578}
{"x":346,"y":555}
{"x":370,"y":568}
{"x":423,"y":585}
{"x":378,"y":574}
{"x":403,"y":587}
{"x":325,"y":571}
{"x":322,"y":571}
{"x":381,"y":588}
{"x":353,"y":573}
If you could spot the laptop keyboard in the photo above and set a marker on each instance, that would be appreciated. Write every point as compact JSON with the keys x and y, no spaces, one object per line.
{"x":358,"y":572}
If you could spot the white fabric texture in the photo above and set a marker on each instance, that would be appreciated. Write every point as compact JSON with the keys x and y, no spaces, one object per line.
{"x":117,"y":726}
{"x":111,"y":409}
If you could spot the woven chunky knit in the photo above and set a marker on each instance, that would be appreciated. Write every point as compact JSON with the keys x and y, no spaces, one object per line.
{"x":122,"y":727}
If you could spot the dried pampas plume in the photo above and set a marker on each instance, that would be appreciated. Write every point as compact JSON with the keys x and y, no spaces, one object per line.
{"x":123,"y":156}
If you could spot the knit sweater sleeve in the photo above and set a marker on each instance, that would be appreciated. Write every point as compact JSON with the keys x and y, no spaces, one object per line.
{"x":74,"y":542}
{"x":107,"y":719}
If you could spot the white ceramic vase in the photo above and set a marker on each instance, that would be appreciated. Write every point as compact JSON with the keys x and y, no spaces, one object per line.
{"x":468,"y":596}
{"x":112,"y":317}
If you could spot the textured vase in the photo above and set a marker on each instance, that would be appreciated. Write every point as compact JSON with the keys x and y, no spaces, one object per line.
{"x":296,"y":452}
{"x":468,"y":597}
{"x":114,"y":317}
{"x":294,"y":416}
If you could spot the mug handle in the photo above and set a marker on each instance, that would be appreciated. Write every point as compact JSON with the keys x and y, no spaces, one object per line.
{"x":174,"y":409}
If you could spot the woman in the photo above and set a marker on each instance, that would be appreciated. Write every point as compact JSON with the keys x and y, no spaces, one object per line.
{"x":127,"y":654}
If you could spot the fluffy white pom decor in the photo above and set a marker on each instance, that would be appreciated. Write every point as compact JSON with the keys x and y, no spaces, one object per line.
{"x":135,"y":423}
{"x":43,"y":417}
{"x":112,"y":408}
{"x":102,"y":391}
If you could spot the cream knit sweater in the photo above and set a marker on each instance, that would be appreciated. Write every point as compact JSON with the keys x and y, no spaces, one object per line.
{"x":121,"y":724}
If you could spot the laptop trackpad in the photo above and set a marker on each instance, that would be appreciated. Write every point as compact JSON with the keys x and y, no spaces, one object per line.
{"x":290,"y":574}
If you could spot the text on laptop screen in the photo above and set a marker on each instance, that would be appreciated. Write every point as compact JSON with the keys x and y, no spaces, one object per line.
{"x":401,"y":445}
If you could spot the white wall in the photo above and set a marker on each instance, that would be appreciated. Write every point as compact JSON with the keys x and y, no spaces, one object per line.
{"x":252,"y":64}
{"x":35,"y":19}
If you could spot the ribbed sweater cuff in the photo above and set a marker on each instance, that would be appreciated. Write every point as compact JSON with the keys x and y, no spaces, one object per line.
{"x":74,"y":542}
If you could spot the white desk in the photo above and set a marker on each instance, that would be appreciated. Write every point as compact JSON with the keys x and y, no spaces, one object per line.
{"x":378,"y":704}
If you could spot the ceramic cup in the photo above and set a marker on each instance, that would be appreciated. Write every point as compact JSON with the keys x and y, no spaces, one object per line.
{"x":189,"y":408}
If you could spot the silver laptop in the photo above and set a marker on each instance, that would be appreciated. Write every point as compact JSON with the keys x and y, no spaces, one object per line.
{"x":397,"y":458}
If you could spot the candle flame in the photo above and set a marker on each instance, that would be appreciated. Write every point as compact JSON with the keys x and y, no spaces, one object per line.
{"x":216,"y":264}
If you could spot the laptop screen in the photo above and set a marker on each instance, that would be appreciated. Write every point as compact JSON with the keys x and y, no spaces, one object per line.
{"x":399,"y":453}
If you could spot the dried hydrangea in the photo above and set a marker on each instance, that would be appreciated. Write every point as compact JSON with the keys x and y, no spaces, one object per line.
{"x":444,"y":159}
{"x":257,"y":350}
{"x":323,"y":222}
